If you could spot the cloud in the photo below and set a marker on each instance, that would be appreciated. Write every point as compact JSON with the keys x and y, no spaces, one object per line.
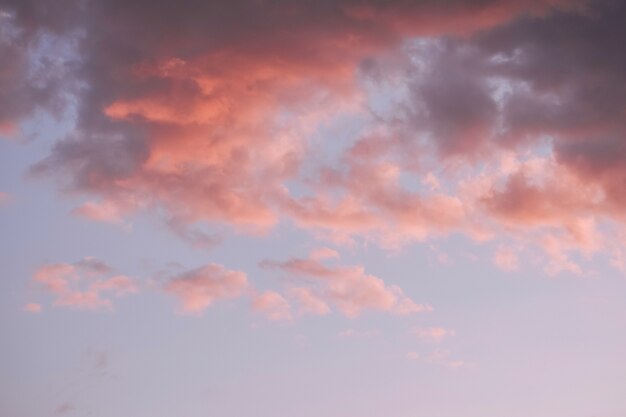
{"x":433,"y":334}
{"x":88,"y":284}
{"x":412,"y":356}
{"x":310,"y":303}
{"x":618,"y":260}
{"x":323,"y":253}
{"x":118,"y":284}
{"x":349,"y":288}
{"x":65,"y":408}
{"x":4,"y":198}
{"x":506,"y":259}
{"x":33,"y":308}
{"x":272,"y":305}
{"x":197,"y":289}
{"x":216,"y":116}
{"x":37,"y":62}
{"x":106,"y":211}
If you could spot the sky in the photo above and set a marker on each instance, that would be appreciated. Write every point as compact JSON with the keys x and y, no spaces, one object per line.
{"x":338,"y":208}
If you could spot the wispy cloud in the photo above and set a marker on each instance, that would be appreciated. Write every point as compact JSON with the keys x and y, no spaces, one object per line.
{"x":88,"y":284}
{"x":197,"y":289}
{"x":349,"y":288}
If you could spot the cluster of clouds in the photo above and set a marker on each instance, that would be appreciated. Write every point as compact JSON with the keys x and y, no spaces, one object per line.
{"x":501,"y":120}
{"x":312,"y":288}
{"x":88,"y":284}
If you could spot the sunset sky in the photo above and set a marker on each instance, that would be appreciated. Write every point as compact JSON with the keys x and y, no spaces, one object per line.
{"x":313,"y":208}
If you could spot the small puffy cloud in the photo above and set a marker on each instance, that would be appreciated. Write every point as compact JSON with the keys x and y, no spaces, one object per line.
{"x":33,"y":308}
{"x":433,"y":334}
{"x":88,"y":284}
{"x":412,"y":356}
{"x":199,"y":288}
{"x":272,"y":305}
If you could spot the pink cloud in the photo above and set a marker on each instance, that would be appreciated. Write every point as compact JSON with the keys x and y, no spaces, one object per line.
{"x":323,"y":253}
{"x":4,"y":198}
{"x":7,"y":129}
{"x":559,"y":260}
{"x":84,"y":284}
{"x":371,"y":201}
{"x":506,"y":259}
{"x":194,"y":158}
{"x":433,"y":334}
{"x":199,"y":288}
{"x":309,"y":302}
{"x":224,"y":132}
{"x":33,"y":308}
{"x":107,"y":211}
{"x":272,"y":305}
{"x":119,"y":284}
{"x":350,"y":288}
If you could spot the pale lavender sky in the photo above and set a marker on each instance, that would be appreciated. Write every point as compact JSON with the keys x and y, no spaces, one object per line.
{"x":337,"y":208}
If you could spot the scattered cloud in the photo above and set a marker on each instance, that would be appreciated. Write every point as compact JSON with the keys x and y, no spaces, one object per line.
{"x":433,"y":334}
{"x":443,"y":357}
{"x":197,"y":289}
{"x":272,"y":305}
{"x":348,"y":288}
{"x":309,"y":302}
{"x":33,"y":308}
{"x":88,"y":284}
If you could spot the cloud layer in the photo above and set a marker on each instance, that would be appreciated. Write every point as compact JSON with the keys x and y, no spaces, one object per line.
{"x":499,"y":120}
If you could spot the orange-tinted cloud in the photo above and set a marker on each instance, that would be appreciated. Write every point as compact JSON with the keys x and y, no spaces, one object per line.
{"x":85,"y":285}
{"x":272,"y":305}
{"x":349,"y":288}
{"x":226,"y":115}
{"x":199,"y":288}
{"x":211,"y":130}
